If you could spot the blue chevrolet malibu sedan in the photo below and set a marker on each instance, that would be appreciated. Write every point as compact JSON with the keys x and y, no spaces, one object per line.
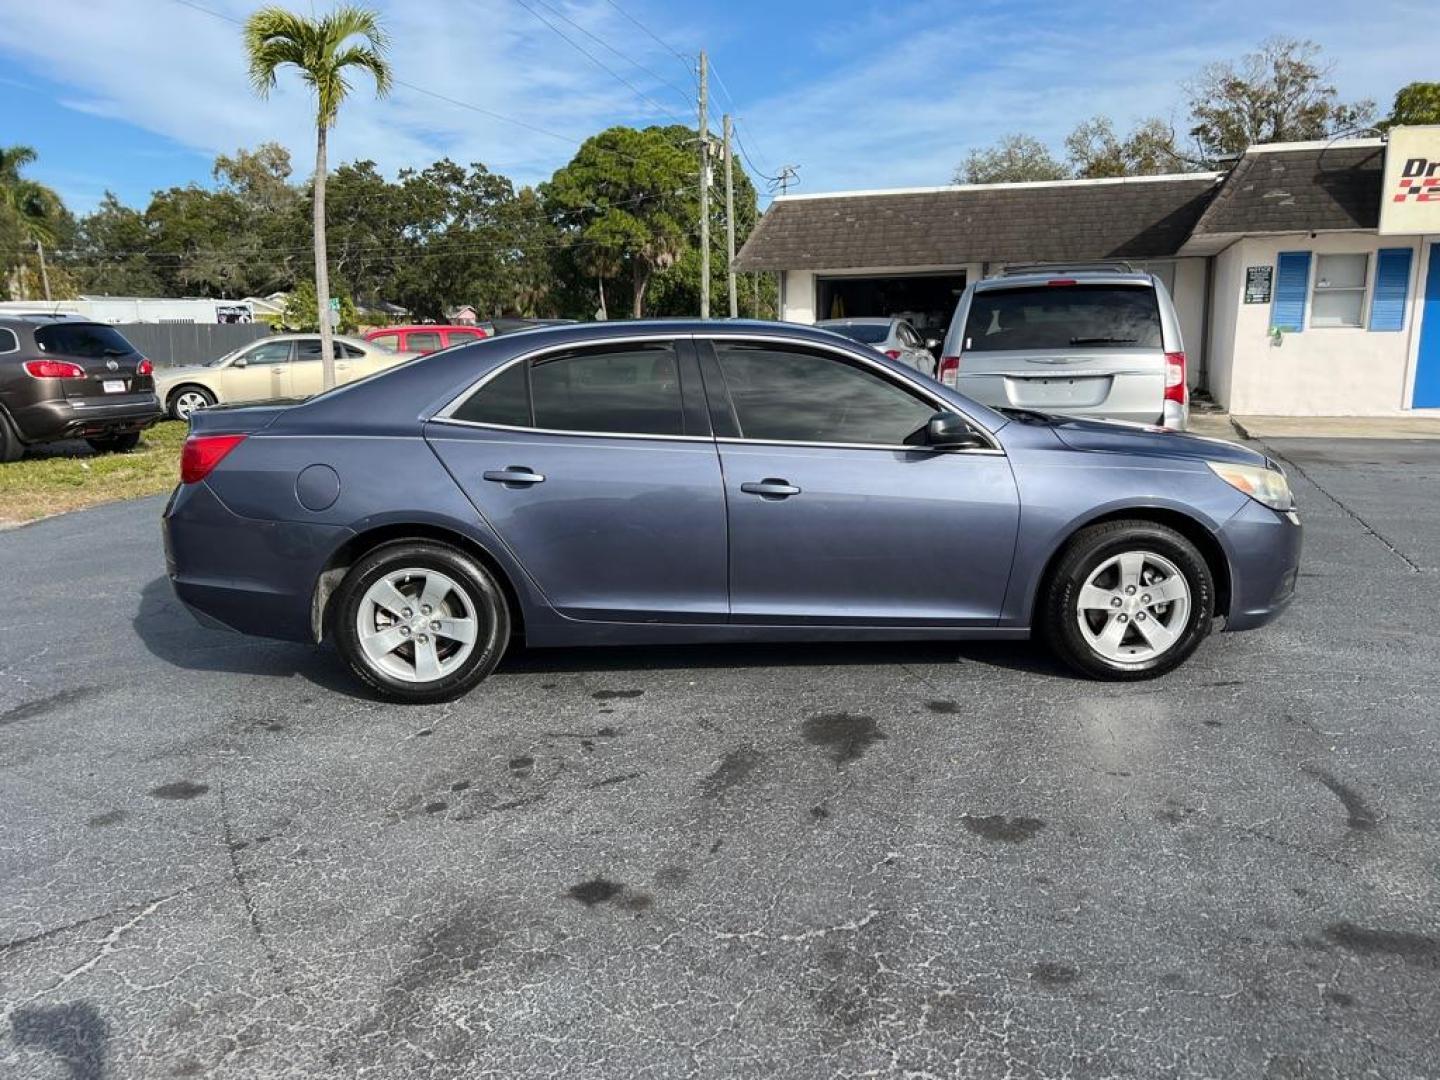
{"x":651,"y":482}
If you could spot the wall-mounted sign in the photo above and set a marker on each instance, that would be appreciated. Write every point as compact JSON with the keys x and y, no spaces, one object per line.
{"x":1258,"y":281}
{"x":1410,"y":193}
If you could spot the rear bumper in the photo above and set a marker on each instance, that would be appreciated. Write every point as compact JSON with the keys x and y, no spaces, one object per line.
{"x":1264,"y":549}
{"x":72,"y":418}
{"x":252,"y":576}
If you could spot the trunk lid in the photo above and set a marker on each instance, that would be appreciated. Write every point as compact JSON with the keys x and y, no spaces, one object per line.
{"x":111,"y":363}
{"x":235,"y":419}
{"x":1122,"y":382}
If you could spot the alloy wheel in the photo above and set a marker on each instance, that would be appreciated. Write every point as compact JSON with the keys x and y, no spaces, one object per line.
{"x":417,"y":625}
{"x":1133,"y":607}
{"x":187,"y":402}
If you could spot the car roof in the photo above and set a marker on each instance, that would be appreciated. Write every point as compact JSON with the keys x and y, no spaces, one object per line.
{"x":875,"y":320}
{"x":1060,"y":273}
{"x":422,"y":327}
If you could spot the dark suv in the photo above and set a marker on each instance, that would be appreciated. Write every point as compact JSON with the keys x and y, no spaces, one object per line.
{"x":63,"y":378}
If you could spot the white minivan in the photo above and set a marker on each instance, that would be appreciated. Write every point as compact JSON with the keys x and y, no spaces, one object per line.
{"x":1097,"y":341}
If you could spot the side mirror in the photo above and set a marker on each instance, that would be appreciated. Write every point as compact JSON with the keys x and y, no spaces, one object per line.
{"x":949,"y":431}
{"x":240,"y":361}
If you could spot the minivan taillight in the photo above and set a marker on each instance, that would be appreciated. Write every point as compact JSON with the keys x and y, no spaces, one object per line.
{"x":893,"y":354}
{"x":53,"y":369}
{"x":1175,"y":377}
{"x":949,"y":370}
{"x":145,"y":367}
{"x":202,"y":453}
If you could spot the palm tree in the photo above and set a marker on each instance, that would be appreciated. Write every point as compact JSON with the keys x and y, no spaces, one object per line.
{"x":322,"y":49}
{"x":33,"y":207}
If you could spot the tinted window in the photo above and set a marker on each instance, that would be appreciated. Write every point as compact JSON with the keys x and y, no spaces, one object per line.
{"x":502,"y":400}
{"x":458,"y":336}
{"x":388,"y":342}
{"x":8,"y":341}
{"x":805,"y":397}
{"x":274,"y":352}
{"x":310,"y":350}
{"x":1063,"y":317}
{"x":427,"y":341}
{"x":634,"y":389}
{"x":865,"y":333}
{"x":347,"y":351}
{"x":82,"y":339}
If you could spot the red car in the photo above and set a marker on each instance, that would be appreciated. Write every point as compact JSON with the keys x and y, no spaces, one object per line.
{"x":423,"y":339}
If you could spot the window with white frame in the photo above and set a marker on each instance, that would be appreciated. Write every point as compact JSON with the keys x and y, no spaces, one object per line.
{"x":1338,"y":295}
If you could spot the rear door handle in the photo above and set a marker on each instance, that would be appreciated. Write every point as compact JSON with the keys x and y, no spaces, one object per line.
{"x":771,"y":488}
{"x":514,"y":474}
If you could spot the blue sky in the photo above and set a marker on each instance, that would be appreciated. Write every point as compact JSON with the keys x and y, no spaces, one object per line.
{"x":133,"y":95}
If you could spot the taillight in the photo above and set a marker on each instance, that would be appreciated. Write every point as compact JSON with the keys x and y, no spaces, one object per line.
{"x":893,"y":354}
{"x":202,"y":453}
{"x":1175,"y":389}
{"x":949,"y":370}
{"x":1062,"y":281}
{"x":145,"y":367}
{"x":53,"y":369}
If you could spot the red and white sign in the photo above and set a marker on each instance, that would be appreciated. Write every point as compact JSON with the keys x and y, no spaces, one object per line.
{"x":1410,"y":195}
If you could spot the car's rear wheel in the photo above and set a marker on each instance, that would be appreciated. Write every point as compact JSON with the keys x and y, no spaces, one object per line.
{"x":115,"y":444}
{"x":420,"y":622}
{"x":1128,"y":600}
{"x":11,"y":448}
{"x":187,"y":399}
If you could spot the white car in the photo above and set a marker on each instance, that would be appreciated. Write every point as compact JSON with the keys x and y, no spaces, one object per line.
{"x":285,"y":366}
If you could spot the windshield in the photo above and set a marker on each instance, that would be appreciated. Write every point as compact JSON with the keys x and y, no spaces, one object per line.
{"x":865,"y":333}
{"x":1063,"y":317}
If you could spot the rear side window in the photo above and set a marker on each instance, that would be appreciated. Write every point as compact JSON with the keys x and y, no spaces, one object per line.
{"x":8,"y":341}
{"x":426,"y":341}
{"x":630,"y":390}
{"x":787,"y":396}
{"x":1063,"y":317}
{"x":459,"y":336}
{"x":82,"y":339}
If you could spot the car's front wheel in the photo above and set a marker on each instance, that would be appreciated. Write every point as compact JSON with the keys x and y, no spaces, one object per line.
{"x":420,"y":622}
{"x":187,"y":399}
{"x":1128,"y":600}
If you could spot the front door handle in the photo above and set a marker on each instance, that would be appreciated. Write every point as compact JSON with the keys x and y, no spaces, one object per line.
{"x":514,"y":474}
{"x":771,"y":487}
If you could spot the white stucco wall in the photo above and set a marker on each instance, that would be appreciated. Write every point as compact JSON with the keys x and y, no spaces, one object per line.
{"x":1335,"y":371}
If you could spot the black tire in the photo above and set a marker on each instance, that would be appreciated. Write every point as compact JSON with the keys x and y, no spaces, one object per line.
{"x":173,"y":402}
{"x":115,"y":444}
{"x":1091,"y":549}
{"x":11,"y":448}
{"x":477,"y":588}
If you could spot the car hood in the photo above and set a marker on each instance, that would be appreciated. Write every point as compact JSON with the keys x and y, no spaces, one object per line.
{"x":1114,"y":436}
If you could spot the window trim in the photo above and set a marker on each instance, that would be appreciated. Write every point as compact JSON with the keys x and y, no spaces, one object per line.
{"x":1365,"y":289}
{"x":444,"y":415}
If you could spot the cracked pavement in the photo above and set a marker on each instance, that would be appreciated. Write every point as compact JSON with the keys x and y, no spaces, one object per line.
{"x":218,"y":859}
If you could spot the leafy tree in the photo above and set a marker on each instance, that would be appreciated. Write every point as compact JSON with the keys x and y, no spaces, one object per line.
{"x":1279,"y":93}
{"x":1013,"y":158}
{"x":33,"y":216}
{"x":1094,"y":150}
{"x":302,"y":311}
{"x":1415,"y":103}
{"x":626,"y":200}
{"x":323,"y":50}
{"x":110,"y":254}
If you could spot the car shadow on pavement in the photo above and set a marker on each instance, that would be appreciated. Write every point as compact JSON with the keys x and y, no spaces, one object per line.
{"x":172,"y":634}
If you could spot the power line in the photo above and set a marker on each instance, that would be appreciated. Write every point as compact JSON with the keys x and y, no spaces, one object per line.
{"x":599,"y":63}
{"x":653,"y":36}
{"x":684,"y":94}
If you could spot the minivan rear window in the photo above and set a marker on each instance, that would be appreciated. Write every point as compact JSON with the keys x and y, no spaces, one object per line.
{"x":1063,"y":317}
{"x":91,"y":340}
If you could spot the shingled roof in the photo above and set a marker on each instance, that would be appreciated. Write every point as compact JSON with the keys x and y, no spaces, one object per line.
{"x":1039,"y":222}
{"x":1304,"y":188}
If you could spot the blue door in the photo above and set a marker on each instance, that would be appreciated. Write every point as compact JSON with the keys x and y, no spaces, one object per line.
{"x":1427,"y":359}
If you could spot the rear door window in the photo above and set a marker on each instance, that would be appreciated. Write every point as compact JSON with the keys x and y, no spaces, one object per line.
{"x":427,"y":341}
{"x":89,"y":340}
{"x":1063,"y":317}
{"x":458,"y":337}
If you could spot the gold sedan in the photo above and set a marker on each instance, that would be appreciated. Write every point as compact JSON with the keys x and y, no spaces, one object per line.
{"x":285,"y":366}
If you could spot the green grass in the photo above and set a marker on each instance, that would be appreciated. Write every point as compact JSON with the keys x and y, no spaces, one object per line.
{"x":69,"y":476}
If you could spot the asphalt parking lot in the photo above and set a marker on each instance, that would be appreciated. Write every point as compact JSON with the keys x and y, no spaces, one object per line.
{"x":216,"y":859}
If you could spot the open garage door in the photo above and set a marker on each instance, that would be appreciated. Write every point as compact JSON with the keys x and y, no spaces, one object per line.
{"x":926,"y":301}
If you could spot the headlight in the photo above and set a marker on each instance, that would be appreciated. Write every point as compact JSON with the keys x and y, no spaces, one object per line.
{"x":1266,"y":486}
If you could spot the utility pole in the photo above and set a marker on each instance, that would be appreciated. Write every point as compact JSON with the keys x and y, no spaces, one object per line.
{"x":704,"y":187}
{"x":44,"y":274}
{"x":730,"y":220}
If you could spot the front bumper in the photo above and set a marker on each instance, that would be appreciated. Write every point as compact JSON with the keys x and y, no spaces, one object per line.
{"x":75,"y":418}
{"x":253,"y":576}
{"x":1264,"y":549}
